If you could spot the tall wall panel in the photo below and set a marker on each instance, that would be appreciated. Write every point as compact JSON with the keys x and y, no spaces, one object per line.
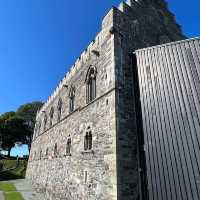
{"x":169,"y":82}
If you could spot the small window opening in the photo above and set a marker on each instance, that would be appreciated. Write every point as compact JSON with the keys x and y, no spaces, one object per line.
{"x":55,"y":150}
{"x":88,"y":141}
{"x":51,"y":117}
{"x":71,"y":99}
{"x":68,"y":149}
{"x":59,"y":108}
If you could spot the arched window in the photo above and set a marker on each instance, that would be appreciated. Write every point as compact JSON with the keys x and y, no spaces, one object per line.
{"x":51,"y":116}
{"x":39,"y":127}
{"x":59,"y":108}
{"x":40,"y":154}
{"x":47,"y":152}
{"x":55,"y":150}
{"x":91,"y":84}
{"x":36,"y":127}
{"x":45,"y":121}
{"x":71,"y":99}
{"x":88,"y":140}
{"x":68,"y":148}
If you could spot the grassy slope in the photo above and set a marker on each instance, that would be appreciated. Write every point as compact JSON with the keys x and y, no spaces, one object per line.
{"x":13,"y":196}
{"x":6,"y":187}
{"x":17,"y":173}
{"x":9,"y":163}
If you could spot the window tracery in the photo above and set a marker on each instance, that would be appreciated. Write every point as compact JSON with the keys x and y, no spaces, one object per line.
{"x":88,"y":140}
{"x":59,"y":108}
{"x":71,"y":99}
{"x":91,"y":84}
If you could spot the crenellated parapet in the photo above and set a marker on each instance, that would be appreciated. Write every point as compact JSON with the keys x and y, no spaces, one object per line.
{"x":73,"y":70}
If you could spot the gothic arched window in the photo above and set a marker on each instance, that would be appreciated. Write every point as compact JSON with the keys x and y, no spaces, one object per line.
{"x":91,"y":84}
{"x":71,"y":99}
{"x":47,"y":152}
{"x":45,"y":121}
{"x":55,"y":150}
{"x":40,"y":154}
{"x":36,"y":127}
{"x":51,"y":116}
{"x":39,"y":127}
{"x":69,"y":144}
{"x":88,"y":140}
{"x":59,"y":108}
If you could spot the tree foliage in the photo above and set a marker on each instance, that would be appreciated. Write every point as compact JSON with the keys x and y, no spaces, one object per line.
{"x":18,"y":126}
{"x":28,"y":113}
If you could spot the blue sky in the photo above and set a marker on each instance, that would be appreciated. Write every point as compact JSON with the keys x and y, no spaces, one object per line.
{"x":40,"y":40}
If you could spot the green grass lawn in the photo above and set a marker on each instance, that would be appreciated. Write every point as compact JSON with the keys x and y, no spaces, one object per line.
{"x":6,"y":187}
{"x":10,"y":192}
{"x":13,"y":196}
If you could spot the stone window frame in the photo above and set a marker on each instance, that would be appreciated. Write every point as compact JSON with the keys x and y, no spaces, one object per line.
{"x":40,"y":158}
{"x":55,"y":152}
{"x":72,"y":99}
{"x":88,"y":140}
{"x":47,"y":152}
{"x":35,"y":156}
{"x":91,"y":84}
{"x":45,"y":122}
{"x":51,"y":115}
{"x":59,"y":108}
{"x":38,"y":128}
{"x":69,"y":146}
{"x":85,"y":176}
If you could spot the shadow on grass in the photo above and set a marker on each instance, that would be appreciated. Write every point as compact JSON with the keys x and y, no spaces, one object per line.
{"x":18,"y":173}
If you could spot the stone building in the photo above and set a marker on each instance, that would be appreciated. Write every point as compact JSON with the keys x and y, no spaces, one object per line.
{"x":86,"y":143}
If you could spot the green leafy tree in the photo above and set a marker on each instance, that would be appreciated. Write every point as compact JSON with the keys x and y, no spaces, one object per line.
{"x":28,"y":112}
{"x":4,"y":138}
{"x":18,"y":126}
{"x":6,"y":116}
{"x":1,"y":132}
{"x":15,"y":130}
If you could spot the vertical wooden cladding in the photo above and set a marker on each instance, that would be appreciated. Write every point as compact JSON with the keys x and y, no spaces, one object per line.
{"x":169,"y":82}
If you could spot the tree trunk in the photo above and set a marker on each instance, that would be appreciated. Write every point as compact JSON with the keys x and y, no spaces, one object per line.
{"x":29,"y":148}
{"x":9,"y":150}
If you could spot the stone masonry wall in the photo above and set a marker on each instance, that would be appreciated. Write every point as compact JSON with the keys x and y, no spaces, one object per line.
{"x":82,"y":175}
{"x":138,"y":24}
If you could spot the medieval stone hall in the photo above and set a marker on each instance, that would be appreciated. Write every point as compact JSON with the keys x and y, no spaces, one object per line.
{"x":124,"y":123}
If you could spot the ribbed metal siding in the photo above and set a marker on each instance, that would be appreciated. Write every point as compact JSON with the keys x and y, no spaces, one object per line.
{"x":169,"y":82}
